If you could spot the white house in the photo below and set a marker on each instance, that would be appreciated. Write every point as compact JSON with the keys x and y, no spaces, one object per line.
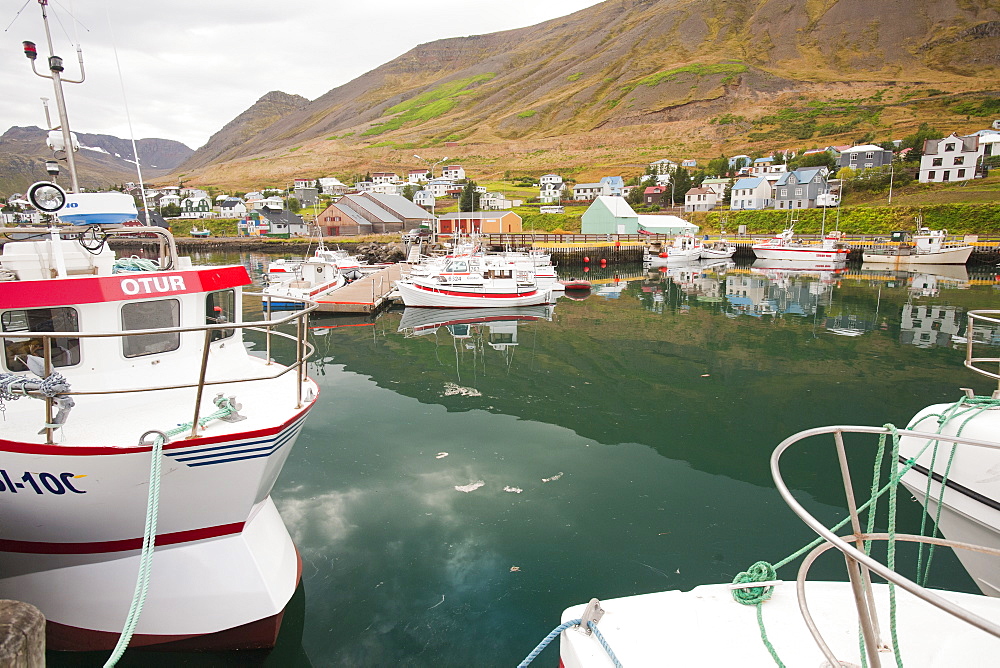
{"x":364,"y":186}
{"x":550,"y":188}
{"x":751,"y":192}
{"x":167,"y":200}
{"x":385,"y":177}
{"x":717,"y":185}
{"x":423,"y":198}
{"x":418,"y":176}
{"x":440,"y":187}
{"x":950,"y":159}
{"x":455,"y":172}
{"x":331,"y":185}
{"x":700,"y":199}
{"x":497,"y":202}
{"x":662,"y":166}
{"x":232,"y":207}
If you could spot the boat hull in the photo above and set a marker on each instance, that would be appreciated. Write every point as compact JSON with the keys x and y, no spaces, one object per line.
{"x":416,"y":294}
{"x":801,"y":254}
{"x":945,"y":256}
{"x":971,"y":501}
{"x":224,"y":566}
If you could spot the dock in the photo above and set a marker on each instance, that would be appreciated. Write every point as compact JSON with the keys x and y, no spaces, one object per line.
{"x":365,"y":295}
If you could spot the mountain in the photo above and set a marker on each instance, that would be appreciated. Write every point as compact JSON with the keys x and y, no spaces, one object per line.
{"x":597,"y":88}
{"x":102,"y":160}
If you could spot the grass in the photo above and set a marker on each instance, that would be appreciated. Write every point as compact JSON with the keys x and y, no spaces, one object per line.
{"x":697,"y":69}
{"x":428,"y":105}
{"x":975,"y":191}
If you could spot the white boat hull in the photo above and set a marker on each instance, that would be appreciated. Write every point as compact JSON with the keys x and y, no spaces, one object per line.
{"x":971,"y":511}
{"x":445,"y":296}
{"x":801,"y":254}
{"x":706,"y":627}
{"x":945,"y":256}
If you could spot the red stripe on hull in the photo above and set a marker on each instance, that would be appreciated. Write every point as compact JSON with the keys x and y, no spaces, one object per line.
{"x":76,"y":451}
{"x":497,"y":295}
{"x":260,"y":634}
{"x":102,"y":547}
{"x":121,"y":287}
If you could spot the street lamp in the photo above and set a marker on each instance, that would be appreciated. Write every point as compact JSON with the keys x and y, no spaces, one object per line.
{"x":891,"y":165}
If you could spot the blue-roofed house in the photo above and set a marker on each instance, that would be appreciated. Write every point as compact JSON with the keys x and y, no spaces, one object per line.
{"x":799,"y":189}
{"x":752,"y":192}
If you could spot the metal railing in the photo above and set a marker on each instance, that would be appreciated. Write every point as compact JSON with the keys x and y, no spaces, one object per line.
{"x":990,"y":318}
{"x":860,"y":565}
{"x":303,"y":351}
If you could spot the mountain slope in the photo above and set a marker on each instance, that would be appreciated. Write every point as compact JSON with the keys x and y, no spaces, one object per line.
{"x":627,"y":63}
{"x":102,"y":161}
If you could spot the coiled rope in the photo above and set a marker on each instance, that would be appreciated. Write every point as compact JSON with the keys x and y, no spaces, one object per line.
{"x":134,"y":263}
{"x":226,"y":408}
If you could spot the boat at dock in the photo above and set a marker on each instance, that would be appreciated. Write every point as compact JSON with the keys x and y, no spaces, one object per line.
{"x":308,"y":280}
{"x":812,"y":623}
{"x":475,"y":281}
{"x":783,"y":246}
{"x":141,"y":439}
{"x":925,"y":246}
{"x":684,"y":248}
{"x":718,"y":250}
{"x":200,"y":233}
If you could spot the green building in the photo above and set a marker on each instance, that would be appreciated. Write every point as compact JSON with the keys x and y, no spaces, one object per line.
{"x":613,"y":215}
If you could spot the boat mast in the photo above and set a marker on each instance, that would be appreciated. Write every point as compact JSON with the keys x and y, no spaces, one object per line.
{"x":55,"y":69}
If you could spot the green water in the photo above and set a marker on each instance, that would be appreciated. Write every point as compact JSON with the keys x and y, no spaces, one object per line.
{"x":622,"y":448}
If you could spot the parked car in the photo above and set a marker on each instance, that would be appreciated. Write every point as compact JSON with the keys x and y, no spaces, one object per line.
{"x":417,"y":233}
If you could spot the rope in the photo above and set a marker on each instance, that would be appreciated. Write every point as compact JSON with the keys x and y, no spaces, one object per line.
{"x":226,"y":408}
{"x":134,"y":263}
{"x":559,"y":629}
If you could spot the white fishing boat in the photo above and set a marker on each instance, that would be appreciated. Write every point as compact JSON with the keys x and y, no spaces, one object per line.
{"x":718,"y":250}
{"x":959,"y":483}
{"x":684,"y":248}
{"x":783,"y":246}
{"x":475,"y":281}
{"x":350,"y":266}
{"x":140,"y":439}
{"x":307,"y":281}
{"x":925,"y":246}
{"x":203,"y":232}
{"x":811,"y":623}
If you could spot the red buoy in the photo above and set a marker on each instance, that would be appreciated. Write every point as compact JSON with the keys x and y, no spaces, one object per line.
{"x":586,"y":259}
{"x":586,"y":268}
{"x":603,"y":261}
{"x":663,"y":255}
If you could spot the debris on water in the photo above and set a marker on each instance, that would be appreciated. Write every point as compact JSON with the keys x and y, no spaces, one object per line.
{"x":705,"y":375}
{"x":438,"y":603}
{"x":441,"y":455}
{"x":515,"y":490}
{"x":471,"y":487}
{"x":555,"y":477}
{"x":451,"y":389}
{"x":515,"y":569}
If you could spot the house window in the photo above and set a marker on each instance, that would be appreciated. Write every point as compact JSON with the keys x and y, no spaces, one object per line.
{"x":784,"y":192}
{"x":947,"y":175}
{"x":931,"y":175}
{"x":949,"y":147}
{"x":65,"y":351}
{"x":798,"y":192}
{"x":854,"y":157}
{"x":961,"y":174}
{"x":157,"y":314}
{"x":869,"y":155}
{"x":937,"y":162}
{"x":959,"y":160}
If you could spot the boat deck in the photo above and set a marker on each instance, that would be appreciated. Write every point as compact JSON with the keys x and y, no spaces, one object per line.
{"x":365,"y":295}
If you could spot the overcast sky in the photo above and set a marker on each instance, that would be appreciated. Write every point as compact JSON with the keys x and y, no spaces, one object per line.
{"x":189,"y":67}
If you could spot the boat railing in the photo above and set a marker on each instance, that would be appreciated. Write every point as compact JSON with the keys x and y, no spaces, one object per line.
{"x":167,"y":247}
{"x":988,"y":320}
{"x":269,"y":327}
{"x":860,"y":565}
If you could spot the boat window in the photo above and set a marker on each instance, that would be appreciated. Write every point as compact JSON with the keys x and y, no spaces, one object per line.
{"x":65,"y":350}
{"x":220,"y":307}
{"x":460,"y":266}
{"x":151,"y":315}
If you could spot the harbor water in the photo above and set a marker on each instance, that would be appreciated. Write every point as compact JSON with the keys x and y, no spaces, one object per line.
{"x":460,"y":483}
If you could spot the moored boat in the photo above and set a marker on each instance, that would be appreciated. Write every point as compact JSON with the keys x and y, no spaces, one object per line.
{"x":718,"y":250}
{"x":475,"y":281}
{"x":783,"y":246}
{"x":925,"y":246}
{"x":307,"y":281}
{"x":203,"y":232}
{"x":141,"y":440}
{"x":684,"y":248}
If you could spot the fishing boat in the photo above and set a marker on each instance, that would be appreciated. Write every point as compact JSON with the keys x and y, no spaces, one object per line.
{"x":812,"y":623}
{"x":140,"y":438}
{"x":684,"y":248}
{"x":925,"y":246}
{"x":202,"y":233}
{"x":783,"y":246}
{"x":718,"y":250}
{"x":307,"y":281}
{"x":957,"y":483}
{"x":350,"y":266}
{"x":475,"y":281}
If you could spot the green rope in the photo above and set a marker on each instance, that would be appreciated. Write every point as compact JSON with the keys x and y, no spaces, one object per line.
{"x":226,"y":408}
{"x":134,"y":263}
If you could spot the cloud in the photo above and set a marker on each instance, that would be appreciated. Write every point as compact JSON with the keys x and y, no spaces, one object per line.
{"x":192,"y":68}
